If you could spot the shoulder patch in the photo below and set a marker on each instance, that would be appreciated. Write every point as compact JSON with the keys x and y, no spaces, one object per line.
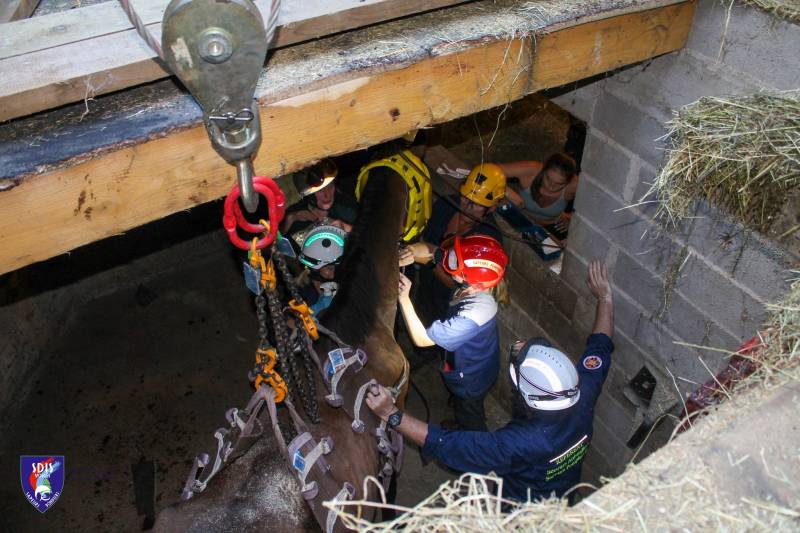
{"x":592,"y":362}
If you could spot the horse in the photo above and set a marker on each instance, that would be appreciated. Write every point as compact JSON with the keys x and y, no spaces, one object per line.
{"x":258,"y":491}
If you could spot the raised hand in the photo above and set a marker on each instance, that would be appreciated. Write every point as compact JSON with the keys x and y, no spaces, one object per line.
{"x":597,"y":280}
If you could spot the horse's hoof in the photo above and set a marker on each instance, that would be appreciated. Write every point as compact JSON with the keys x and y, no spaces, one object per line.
{"x":358,"y":426}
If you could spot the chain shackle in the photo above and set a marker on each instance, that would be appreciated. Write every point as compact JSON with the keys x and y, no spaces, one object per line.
{"x":233,"y":218}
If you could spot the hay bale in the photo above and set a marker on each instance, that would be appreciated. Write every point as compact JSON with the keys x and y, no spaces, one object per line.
{"x":785,"y":9}
{"x":740,"y":153}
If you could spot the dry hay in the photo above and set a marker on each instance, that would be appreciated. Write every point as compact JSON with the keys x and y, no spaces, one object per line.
{"x":740,"y":153}
{"x":679,"y":487}
{"x":785,"y":9}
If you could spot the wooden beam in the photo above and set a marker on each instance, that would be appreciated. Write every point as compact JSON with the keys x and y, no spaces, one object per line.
{"x":62,"y":209}
{"x":95,"y":50}
{"x":11,"y":10}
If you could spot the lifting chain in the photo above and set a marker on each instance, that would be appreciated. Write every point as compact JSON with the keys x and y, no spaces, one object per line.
{"x":311,"y":406}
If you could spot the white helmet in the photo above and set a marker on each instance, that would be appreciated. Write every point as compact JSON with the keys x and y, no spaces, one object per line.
{"x":323,"y":245}
{"x":545,"y":377}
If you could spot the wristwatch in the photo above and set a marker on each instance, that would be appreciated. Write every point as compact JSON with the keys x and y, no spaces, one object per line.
{"x":395,"y":419}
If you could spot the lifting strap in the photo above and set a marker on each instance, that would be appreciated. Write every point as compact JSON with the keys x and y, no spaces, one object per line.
{"x":417,"y":178}
{"x":337,"y":364}
{"x":348,"y":492}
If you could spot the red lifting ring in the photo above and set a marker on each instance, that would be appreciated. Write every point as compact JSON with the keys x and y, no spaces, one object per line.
{"x":233,"y":217}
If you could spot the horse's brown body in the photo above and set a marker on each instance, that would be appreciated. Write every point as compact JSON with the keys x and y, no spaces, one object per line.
{"x":258,"y":492}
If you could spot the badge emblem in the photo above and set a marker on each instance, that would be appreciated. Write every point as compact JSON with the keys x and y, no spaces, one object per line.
{"x":592,"y":362}
{"x":42,"y":478}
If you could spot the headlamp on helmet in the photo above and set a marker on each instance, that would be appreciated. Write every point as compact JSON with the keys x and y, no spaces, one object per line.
{"x":316,"y":177}
{"x":323,"y":245}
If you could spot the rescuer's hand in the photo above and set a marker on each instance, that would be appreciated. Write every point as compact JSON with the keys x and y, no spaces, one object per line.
{"x":419,"y":252}
{"x":403,"y":287}
{"x":341,"y":224}
{"x":597,"y":280}
{"x":563,"y":222}
{"x":406,"y":256}
{"x":379,"y":400}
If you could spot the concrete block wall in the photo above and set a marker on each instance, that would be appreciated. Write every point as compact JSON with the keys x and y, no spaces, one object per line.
{"x":705,"y":283}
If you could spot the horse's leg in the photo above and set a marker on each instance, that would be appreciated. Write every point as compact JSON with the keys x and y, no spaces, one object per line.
{"x":384,"y":236}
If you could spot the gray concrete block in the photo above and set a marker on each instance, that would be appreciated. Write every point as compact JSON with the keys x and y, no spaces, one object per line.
{"x":748,"y":258}
{"x":560,"y":330}
{"x":573,"y":271}
{"x":585,"y":240}
{"x":627,"y":358}
{"x":640,"y":283}
{"x":613,"y":409}
{"x":583,"y":316}
{"x":595,"y":464}
{"x":667,"y":83}
{"x":660,"y":337}
{"x":580,"y":102}
{"x":524,"y":294}
{"x":645,"y":201}
{"x":610,"y":446}
{"x":659,"y":436}
{"x":519,"y":323}
{"x":593,"y":468}
{"x":563,"y":298}
{"x":756,"y":43}
{"x":652,"y":337}
{"x":606,"y":163}
{"x":631,"y":127}
{"x":534,"y":270}
{"x":615,"y":221}
{"x":692,"y":326}
{"x":719,"y":297}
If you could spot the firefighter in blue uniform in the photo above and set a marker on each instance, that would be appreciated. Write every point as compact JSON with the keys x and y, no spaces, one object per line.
{"x":539,"y":453}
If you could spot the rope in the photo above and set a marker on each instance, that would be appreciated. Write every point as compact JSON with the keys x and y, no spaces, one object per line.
{"x":142,"y":29}
{"x":272,"y":20}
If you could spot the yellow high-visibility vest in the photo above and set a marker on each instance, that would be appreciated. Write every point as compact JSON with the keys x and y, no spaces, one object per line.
{"x":418,"y":179}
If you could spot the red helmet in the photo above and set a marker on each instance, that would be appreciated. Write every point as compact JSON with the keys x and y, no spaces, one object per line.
{"x":479,"y":260}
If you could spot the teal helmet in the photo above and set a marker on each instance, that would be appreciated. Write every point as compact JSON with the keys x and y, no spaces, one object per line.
{"x":323,"y":245}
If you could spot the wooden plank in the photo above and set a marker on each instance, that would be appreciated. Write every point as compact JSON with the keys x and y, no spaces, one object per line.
{"x":94,"y":50}
{"x":62,"y":209}
{"x":11,"y":10}
{"x":300,"y":19}
{"x":56,"y":29}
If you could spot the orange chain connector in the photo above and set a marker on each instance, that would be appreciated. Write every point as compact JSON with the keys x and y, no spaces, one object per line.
{"x":266,"y":358}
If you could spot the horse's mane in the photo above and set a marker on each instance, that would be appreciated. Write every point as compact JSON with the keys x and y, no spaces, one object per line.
{"x":353,"y":312}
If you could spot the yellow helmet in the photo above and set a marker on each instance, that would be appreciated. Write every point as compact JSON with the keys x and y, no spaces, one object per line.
{"x":485,"y":185}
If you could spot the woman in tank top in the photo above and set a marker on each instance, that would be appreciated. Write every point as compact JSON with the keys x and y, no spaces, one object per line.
{"x":545,"y":190}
